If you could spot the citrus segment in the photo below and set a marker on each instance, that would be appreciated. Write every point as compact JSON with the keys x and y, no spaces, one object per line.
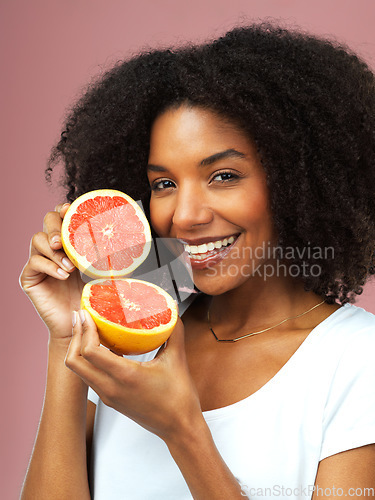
{"x":132,"y":316}
{"x":105,"y":233}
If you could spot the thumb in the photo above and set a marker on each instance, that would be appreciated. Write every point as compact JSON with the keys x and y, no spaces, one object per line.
{"x":89,"y":329}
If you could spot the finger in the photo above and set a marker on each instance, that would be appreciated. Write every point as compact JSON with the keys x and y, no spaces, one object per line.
{"x":38,"y":265}
{"x":78,"y":364}
{"x":74,"y":350}
{"x":52,"y":227}
{"x":101,"y":357}
{"x":61,"y":206}
{"x":64,"y":209}
{"x":40,"y":246}
{"x":117,"y":353}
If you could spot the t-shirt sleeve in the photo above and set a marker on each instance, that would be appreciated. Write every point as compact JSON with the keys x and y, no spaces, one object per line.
{"x":349,"y":417}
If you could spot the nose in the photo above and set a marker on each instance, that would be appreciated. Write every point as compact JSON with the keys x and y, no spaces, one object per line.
{"x":192,"y":208}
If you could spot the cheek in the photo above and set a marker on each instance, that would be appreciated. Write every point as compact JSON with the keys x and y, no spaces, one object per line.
{"x":258,"y":208}
{"x":262,"y":216}
{"x":159,"y":216}
{"x":256,"y":216}
{"x":247,"y":207}
{"x":259,"y":202}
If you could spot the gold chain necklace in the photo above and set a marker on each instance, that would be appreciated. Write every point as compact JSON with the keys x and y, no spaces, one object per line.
{"x":260,"y":331}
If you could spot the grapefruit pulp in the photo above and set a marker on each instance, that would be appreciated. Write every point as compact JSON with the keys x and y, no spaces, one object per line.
{"x":132,"y":316}
{"x":106,"y":234}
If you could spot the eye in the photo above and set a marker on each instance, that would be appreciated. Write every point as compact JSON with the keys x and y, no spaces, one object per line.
{"x":225,"y":176}
{"x":161,"y":184}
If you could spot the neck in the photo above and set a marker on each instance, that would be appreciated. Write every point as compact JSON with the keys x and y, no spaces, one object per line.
{"x":258,"y":304}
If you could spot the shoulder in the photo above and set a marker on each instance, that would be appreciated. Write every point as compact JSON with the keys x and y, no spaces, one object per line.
{"x":358,"y":326}
{"x":343,"y":345}
{"x":349,"y":409}
{"x":361,"y":315}
{"x":348,"y":342}
{"x":349,"y":325}
{"x":356,"y":316}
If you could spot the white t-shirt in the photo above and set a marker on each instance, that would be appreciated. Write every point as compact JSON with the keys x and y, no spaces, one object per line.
{"x":320,"y":403}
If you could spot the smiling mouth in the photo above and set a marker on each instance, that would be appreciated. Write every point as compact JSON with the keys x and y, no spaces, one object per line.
{"x":207,"y":250}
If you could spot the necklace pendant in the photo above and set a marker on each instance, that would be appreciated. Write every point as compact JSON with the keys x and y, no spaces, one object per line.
{"x":221,"y":340}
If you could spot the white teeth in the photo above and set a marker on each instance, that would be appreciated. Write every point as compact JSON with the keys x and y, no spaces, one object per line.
{"x":199,"y":257}
{"x":202,"y":248}
{"x":200,"y":251}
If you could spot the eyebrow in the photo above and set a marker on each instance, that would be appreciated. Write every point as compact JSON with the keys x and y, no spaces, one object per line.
{"x":228,"y":153}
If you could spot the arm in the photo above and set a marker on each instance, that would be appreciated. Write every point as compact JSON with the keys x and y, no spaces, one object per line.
{"x":58,"y":467}
{"x":202,"y":466}
{"x":350,"y":473}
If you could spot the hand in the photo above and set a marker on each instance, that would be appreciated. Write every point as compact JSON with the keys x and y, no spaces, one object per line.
{"x":50,"y":280}
{"x":159,"y":395}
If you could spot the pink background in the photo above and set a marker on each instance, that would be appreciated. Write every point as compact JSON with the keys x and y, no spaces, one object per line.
{"x":50,"y":49}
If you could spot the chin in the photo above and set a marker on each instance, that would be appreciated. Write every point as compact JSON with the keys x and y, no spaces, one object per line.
{"x":212,"y":286}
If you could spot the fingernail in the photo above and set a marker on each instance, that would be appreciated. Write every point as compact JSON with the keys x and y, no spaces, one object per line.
{"x":66,"y":263}
{"x":74,"y":318}
{"x":82,"y":316}
{"x":55,"y":239}
{"x":63,"y":273}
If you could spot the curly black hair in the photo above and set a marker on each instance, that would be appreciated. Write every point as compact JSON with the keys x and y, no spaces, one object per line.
{"x":307,"y":102}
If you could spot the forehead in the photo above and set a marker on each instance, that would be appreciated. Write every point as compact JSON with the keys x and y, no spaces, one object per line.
{"x":195,"y":131}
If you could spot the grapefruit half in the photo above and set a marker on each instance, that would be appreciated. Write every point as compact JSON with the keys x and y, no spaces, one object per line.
{"x":106,"y":234}
{"x":132,"y":316}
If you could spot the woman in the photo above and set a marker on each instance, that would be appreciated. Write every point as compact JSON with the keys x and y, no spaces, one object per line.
{"x":260,"y":143}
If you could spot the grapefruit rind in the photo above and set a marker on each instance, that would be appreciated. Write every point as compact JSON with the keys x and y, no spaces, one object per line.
{"x":126,"y":340}
{"x":79,"y":260}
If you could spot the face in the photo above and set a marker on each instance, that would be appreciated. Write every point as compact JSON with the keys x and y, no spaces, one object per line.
{"x":208,"y":189}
